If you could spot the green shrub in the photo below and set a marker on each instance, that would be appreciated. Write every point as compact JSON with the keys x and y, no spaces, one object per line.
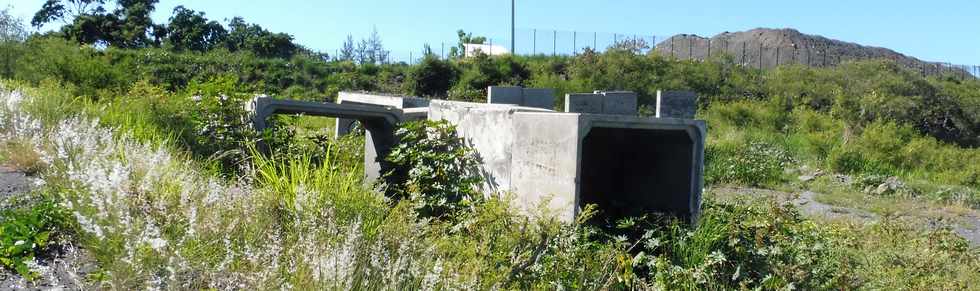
{"x":434,"y":168}
{"x":24,"y":233}
{"x":431,"y":77}
{"x":753,"y":163}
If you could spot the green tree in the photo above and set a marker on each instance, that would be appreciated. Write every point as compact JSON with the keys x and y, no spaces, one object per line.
{"x":190,"y":30}
{"x":243,"y":36}
{"x":464,"y":38}
{"x":11,"y":28}
{"x":432,"y":76}
{"x":12,"y":32}
{"x":88,"y":22}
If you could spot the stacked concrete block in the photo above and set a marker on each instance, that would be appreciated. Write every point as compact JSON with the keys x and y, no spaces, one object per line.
{"x":619,"y":102}
{"x":583,"y":103}
{"x":526,"y":97}
{"x":539,"y":98}
{"x":676,"y":104}
{"x":601,"y":102}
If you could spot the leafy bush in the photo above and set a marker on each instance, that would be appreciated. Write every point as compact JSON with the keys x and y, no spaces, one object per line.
{"x":222,"y":129}
{"x":753,"y":163}
{"x":434,"y":168}
{"x":742,"y":246}
{"x":431,"y":77}
{"x":24,"y":233}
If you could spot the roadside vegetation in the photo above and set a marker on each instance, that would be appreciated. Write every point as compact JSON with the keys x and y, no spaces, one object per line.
{"x":143,"y":159}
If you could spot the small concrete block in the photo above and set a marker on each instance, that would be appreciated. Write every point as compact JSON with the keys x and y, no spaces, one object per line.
{"x":505,"y":95}
{"x":677,"y":104}
{"x":619,"y":102}
{"x":583,"y":103}
{"x":539,"y":98}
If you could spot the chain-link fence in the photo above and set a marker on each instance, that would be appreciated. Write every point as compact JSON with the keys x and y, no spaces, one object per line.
{"x":752,"y":53}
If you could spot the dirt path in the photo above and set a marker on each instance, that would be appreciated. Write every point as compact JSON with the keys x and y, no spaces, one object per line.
{"x":12,"y":182}
{"x":966,"y":225}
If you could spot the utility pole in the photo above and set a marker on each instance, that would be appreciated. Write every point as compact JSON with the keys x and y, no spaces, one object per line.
{"x":512,"y":40}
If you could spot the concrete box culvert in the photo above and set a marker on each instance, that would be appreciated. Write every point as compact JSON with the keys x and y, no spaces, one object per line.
{"x":627,"y":165}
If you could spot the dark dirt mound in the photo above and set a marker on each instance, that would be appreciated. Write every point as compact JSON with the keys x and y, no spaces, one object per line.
{"x":783,"y":46}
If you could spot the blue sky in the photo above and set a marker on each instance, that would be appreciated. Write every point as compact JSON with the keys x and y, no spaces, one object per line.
{"x":936,"y":30}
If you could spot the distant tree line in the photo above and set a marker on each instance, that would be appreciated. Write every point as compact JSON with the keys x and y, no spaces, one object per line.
{"x":129,"y":25}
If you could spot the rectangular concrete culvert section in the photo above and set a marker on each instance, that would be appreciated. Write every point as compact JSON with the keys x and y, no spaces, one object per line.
{"x":343,"y":126}
{"x":627,"y":166}
{"x":631,"y":166}
{"x":630,"y":172}
{"x":487,"y":128}
{"x":379,"y":123}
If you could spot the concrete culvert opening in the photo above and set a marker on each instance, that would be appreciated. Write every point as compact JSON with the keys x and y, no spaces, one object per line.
{"x":630,"y":172}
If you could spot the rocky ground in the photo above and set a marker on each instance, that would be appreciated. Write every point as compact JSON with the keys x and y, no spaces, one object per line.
{"x":966,"y":224}
{"x":62,"y":267}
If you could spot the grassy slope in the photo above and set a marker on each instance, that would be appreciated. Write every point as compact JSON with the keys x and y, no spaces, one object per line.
{"x":155,"y":214}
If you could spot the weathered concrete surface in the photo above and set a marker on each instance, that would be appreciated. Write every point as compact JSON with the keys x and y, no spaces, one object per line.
{"x":561,"y":161}
{"x":602,"y":102}
{"x":526,"y":97}
{"x":505,"y":95}
{"x":543,"y":98}
{"x":344,"y":125}
{"x":488,"y":128}
{"x":619,"y":102}
{"x":676,"y":104}
{"x":583,"y":103}
{"x":545,"y":163}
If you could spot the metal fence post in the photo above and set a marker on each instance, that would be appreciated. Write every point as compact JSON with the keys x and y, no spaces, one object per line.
{"x":574,"y":45}
{"x":534,"y":43}
{"x":442,"y":51}
{"x":554,"y":43}
{"x":653,"y":45}
{"x":777,"y":56}
{"x":672,"y":46}
{"x":743,"y":53}
{"x":709,"y":48}
{"x":491,"y":47}
{"x":594,"y":44}
{"x":690,"y":48}
{"x":760,"y":55}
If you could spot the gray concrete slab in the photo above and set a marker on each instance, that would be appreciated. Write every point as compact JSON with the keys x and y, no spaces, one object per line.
{"x":543,"y":98}
{"x":583,"y":103}
{"x":676,"y":104}
{"x":619,"y":102}
{"x":505,"y":95}
{"x":545,"y":163}
{"x":344,"y":125}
